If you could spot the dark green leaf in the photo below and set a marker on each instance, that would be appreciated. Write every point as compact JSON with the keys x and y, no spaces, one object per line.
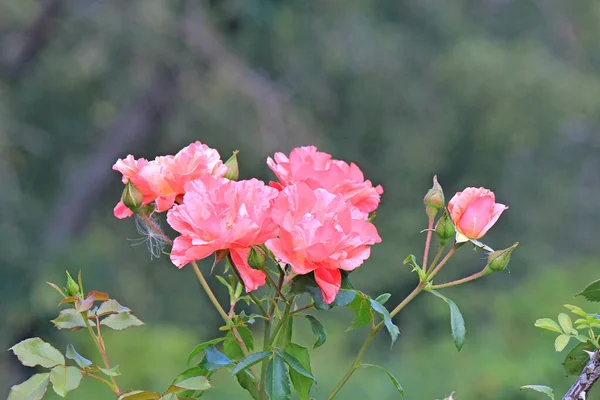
{"x":35,"y":351}
{"x":246,"y":381}
{"x":64,"y":379}
{"x":457,"y":323}
{"x":362,"y":311}
{"x":69,"y":319}
{"x":591,"y":292}
{"x":247,"y":337}
{"x":72,"y":354}
{"x":250,"y":361}
{"x":121,"y":321}
{"x":318,"y":330}
{"x":387,"y":319}
{"x":200,"y":348}
{"x":383,"y":298}
{"x":33,"y":388}
{"x":214,"y":359}
{"x":542,"y":389}
{"x":285,"y":334}
{"x":307,"y":284}
{"x":277,"y":381}
{"x":300,"y":381}
{"x":389,"y":374}
{"x":231,"y":348}
{"x":293,"y":363}
{"x":577,"y":358}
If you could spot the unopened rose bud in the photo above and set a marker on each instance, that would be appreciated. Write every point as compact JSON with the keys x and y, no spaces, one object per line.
{"x":72,"y":287}
{"x":434,"y":199}
{"x":498,"y":260}
{"x":445,"y":228}
{"x":132,"y":197}
{"x":256,"y":258}
{"x":233,"y":169}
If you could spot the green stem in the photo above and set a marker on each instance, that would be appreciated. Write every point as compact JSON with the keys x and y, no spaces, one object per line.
{"x":107,"y":383}
{"x":442,"y":263}
{"x":299,"y":310}
{"x":427,"y":243}
{"x":438,"y":254}
{"x":286,"y":314}
{"x":459,"y":281}
{"x":102,"y":351}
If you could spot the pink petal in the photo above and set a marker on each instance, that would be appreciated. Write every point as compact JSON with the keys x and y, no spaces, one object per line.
{"x":329,"y":281}
{"x":253,"y":278}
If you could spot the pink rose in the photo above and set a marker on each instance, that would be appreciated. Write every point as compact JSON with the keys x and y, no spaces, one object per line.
{"x":318,"y":170}
{"x":221,"y":214}
{"x":163,"y":179}
{"x":474,"y":211}
{"x":320,"y":232}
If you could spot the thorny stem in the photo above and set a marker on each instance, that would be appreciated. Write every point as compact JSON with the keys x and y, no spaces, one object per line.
{"x":100,"y":346}
{"x":427,"y":243}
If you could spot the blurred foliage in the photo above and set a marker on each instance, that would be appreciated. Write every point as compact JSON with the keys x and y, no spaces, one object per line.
{"x":497,"y":93}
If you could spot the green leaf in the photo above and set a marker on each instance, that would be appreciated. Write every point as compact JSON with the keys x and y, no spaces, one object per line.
{"x":548,"y":324}
{"x":285,"y":334}
{"x":457,"y":323}
{"x":139,"y":395}
{"x":247,"y":337}
{"x":33,"y":388}
{"x":72,"y":354}
{"x":121,"y":321}
{"x":539,"y":388}
{"x":387,"y":319}
{"x":64,"y":379}
{"x":591,"y":292}
{"x":389,"y":374}
{"x":318,"y":330}
{"x":69,"y":319}
{"x":170,"y":396}
{"x":565,"y":323}
{"x":277,"y":382}
{"x":577,"y":358}
{"x":114,"y":371}
{"x":214,"y":359}
{"x":246,"y":381}
{"x":576,"y":310}
{"x":561,"y":342}
{"x":362,"y":311}
{"x":301,"y":382}
{"x":185,"y":375}
{"x":231,"y":348}
{"x":200,"y":348}
{"x":250,"y":361}
{"x":293,"y":363}
{"x":307,"y":284}
{"x":383,"y":298}
{"x":35,"y":351}
{"x":193,"y":383}
{"x":111,"y":307}
{"x":412,"y":261}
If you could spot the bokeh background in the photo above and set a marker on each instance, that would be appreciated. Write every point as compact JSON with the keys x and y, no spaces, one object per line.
{"x":498,"y":93}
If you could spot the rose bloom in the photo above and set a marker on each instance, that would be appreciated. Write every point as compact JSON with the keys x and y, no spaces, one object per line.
{"x":163,"y":179}
{"x":318,"y":170}
{"x":320,"y":232}
{"x":474,"y":211}
{"x":218,"y":214}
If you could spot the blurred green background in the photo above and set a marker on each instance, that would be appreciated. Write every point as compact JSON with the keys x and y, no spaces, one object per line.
{"x":497,"y":93}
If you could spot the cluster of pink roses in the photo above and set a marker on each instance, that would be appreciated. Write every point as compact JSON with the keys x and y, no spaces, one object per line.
{"x":315,"y":218}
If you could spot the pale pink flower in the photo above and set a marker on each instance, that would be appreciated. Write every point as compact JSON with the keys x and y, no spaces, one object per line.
{"x":320,"y":232}
{"x":318,"y":170}
{"x":474,"y":211}
{"x":163,"y":179}
{"x":218,"y":214}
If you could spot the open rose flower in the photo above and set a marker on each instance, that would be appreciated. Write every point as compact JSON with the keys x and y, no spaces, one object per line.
{"x":163,"y":179}
{"x":320,"y":232}
{"x":219,"y":214}
{"x":318,"y":170}
{"x":474,"y":211}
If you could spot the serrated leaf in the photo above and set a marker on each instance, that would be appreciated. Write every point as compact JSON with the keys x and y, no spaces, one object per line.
{"x":285,"y":333}
{"x":565,"y":323}
{"x":548,"y":324}
{"x":362,"y":311}
{"x":539,"y":388}
{"x":246,"y":382}
{"x":277,"y":382}
{"x":591,"y":292}
{"x":33,"y":388}
{"x":200,"y":348}
{"x":139,"y":395}
{"x":389,"y":374}
{"x":64,"y":379}
{"x":72,"y":354}
{"x":302,"y":384}
{"x":318,"y":330}
{"x":214,"y":359}
{"x":577,"y":358}
{"x":69,"y":319}
{"x":99,"y":296}
{"x":294,"y":364}
{"x":383,"y":298}
{"x":247,"y":337}
{"x":111,"y":307}
{"x":232,"y":349}
{"x":576,"y":310}
{"x":35,"y":351}
{"x":249,"y":361}
{"x":457,"y":322}
{"x":121,"y":321}
{"x":114,"y":371}
{"x":387,"y":319}
{"x":82,"y":305}
{"x":561,"y":342}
